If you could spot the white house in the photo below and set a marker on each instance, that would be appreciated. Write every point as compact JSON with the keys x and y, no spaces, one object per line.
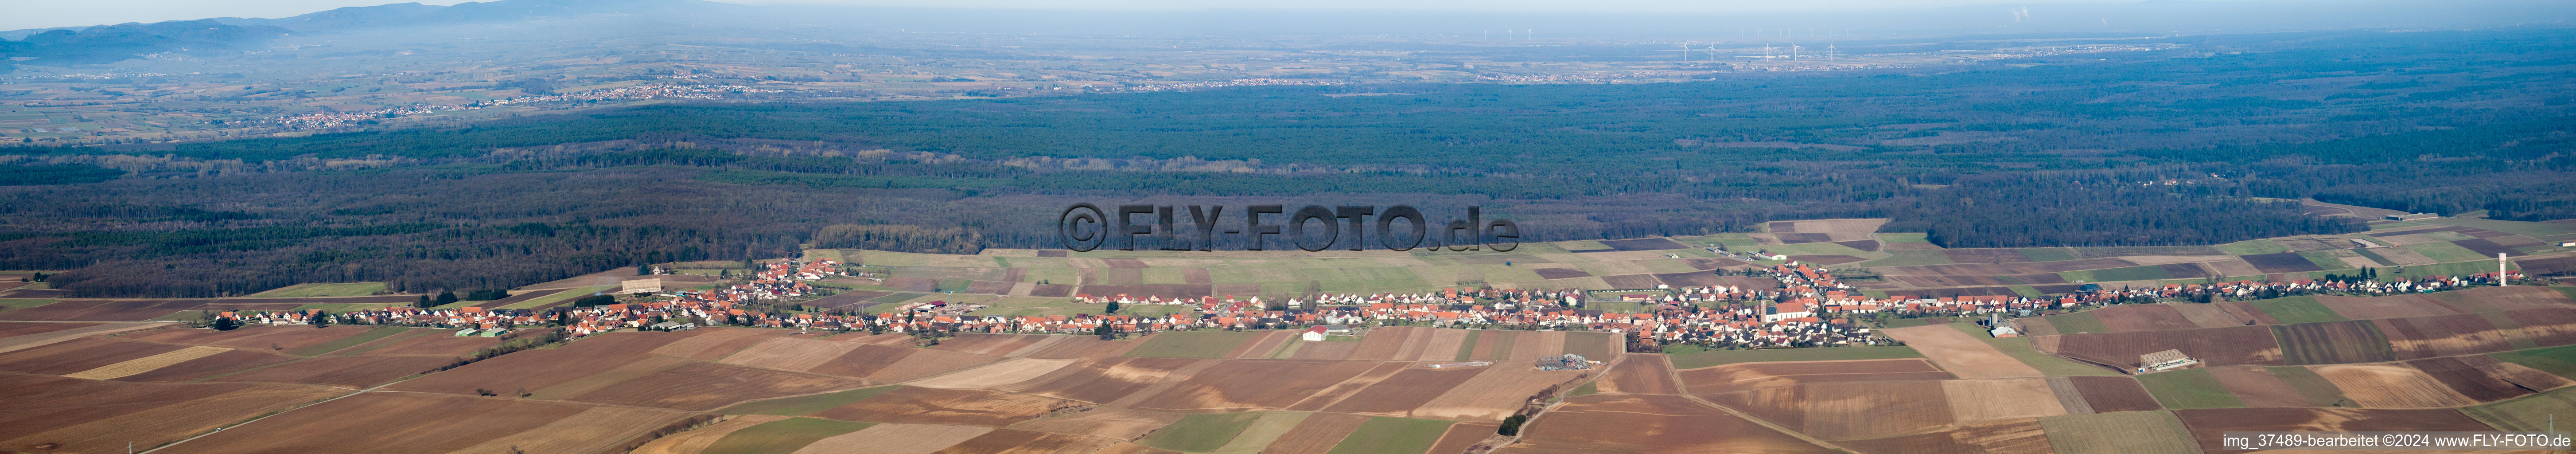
{"x":1315,"y":333}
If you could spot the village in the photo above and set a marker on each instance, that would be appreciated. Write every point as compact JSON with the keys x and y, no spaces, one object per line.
{"x":1809,"y":308}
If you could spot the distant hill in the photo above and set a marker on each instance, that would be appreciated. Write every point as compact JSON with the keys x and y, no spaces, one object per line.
{"x":108,"y":43}
{"x":399,"y":15}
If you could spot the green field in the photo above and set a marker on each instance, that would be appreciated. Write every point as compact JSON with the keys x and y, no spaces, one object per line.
{"x":2253,"y":247}
{"x":2530,"y":229}
{"x":2119,"y":433}
{"x":1392,"y":435}
{"x":2080,"y":322}
{"x":800,"y":405}
{"x":2445,"y":252}
{"x":1193,"y":344}
{"x":1262,"y":432}
{"x":2048,"y":254}
{"x":2557,"y":360}
{"x":307,"y":290}
{"x":2443,"y":269}
{"x":1917,"y":237}
{"x":10,"y":304}
{"x":1019,"y":306}
{"x":1200,"y":432}
{"x":2324,"y":259}
{"x":1818,"y":249}
{"x":2296,"y":310}
{"x":1588,"y":388}
{"x":1467,"y":349}
{"x":2188,"y":388}
{"x":783,"y":436}
{"x":567,"y":294}
{"x":1720,"y":357}
{"x":351,"y":341}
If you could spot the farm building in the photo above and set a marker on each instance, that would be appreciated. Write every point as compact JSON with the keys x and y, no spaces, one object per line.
{"x":1315,"y":334}
{"x":2164,"y":360}
{"x":1567,"y":361}
{"x":673,"y":326}
{"x":2412,"y":216}
{"x":645,"y":285}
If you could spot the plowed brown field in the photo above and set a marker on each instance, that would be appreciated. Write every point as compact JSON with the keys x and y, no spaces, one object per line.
{"x":1400,"y":394}
{"x":1973,"y":401}
{"x":1025,"y":442}
{"x":896,"y":439}
{"x":1848,"y":410}
{"x":2471,"y":378}
{"x":995,"y":375}
{"x":1634,"y":423}
{"x":2212,"y":315}
{"x":988,"y":344}
{"x":279,"y":338}
{"x":79,"y":355}
{"x":226,"y":362}
{"x":74,"y":415}
{"x":713,"y":343}
{"x":780,"y":353}
{"x":403,"y":423}
{"x":350,"y":371}
{"x":1076,"y":347}
{"x":1494,"y":393}
{"x":1104,"y":379}
{"x":2257,"y":388}
{"x":1745,"y":376}
{"x":2114,"y":394}
{"x":538,"y":369}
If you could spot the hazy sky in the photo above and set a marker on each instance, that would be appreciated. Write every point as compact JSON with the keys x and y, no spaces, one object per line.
{"x":62,"y":13}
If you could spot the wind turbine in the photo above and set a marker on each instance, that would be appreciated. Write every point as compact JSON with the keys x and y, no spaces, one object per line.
{"x":1685,"y":51}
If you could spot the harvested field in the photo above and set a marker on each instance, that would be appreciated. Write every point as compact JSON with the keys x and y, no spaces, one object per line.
{"x":1203,"y":432}
{"x":1392,"y":435}
{"x":780,"y":353}
{"x":2257,"y":387}
{"x":1112,"y":422}
{"x":2020,"y":436}
{"x":1316,"y":435}
{"x":1960,"y":354}
{"x":1746,"y":376}
{"x":15,"y":336}
{"x":79,"y":355}
{"x":102,"y":310}
{"x":228,"y":361}
{"x":349,"y":371}
{"x":147,"y":364}
{"x":1973,"y":401}
{"x":699,"y":386}
{"x":1254,"y":385}
{"x":2286,"y":262}
{"x":354,"y":424}
{"x":1464,"y":435}
{"x":1720,"y":357}
{"x":2505,"y":298}
{"x":1634,"y":423}
{"x":1331,"y":350}
{"x":2114,"y":394}
{"x":1494,"y":393}
{"x":1077,"y":347}
{"x":1108,"y":379}
{"x":1593,"y":345}
{"x":2240,"y":345}
{"x":2470,"y":376}
{"x":1560,"y":273}
{"x":2446,"y":335}
{"x":1831,"y":259}
{"x":1385,"y":343}
{"x":2390,"y":386}
{"x":1848,"y":410}
{"x":805,"y":404}
{"x":947,"y":406}
{"x":1640,"y":374}
{"x":1400,"y":394}
{"x":1443,"y":345}
{"x":77,"y":415}
{"x":2150,"y":432}
{"x":2142,"y":317}
{"x":896,"y":439}
{"x":883,"y":364}
{"x":2532,"y":414}
{"x":2007,"y":267}
{"x":696,"y":440}
{"x":987,"y":344}
{"x":714,"y":343}
{"x":418,"y":423}
{"x":2207,"y":424}
{"x":2356,"y":341}
{"x":995,"y":375}
{"x":542,"y":368}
